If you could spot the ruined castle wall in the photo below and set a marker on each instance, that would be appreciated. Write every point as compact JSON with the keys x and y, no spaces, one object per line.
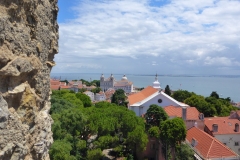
{"x":28,"y":42}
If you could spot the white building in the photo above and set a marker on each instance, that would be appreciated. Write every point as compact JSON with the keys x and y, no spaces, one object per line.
{"x":225,"y":130}
{"x":100,"y":96}
{"x":207,"y":147}
{"x":90,"y":94}
{"x":140,"y":102}
{"x":111,"y":82}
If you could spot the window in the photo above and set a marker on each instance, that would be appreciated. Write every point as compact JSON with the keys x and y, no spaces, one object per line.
{"x":194,"y":142}
{"x":159,"y":100}
{"x":236,"y":143}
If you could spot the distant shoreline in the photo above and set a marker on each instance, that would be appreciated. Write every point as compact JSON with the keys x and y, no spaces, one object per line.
{"x":162,"y":75}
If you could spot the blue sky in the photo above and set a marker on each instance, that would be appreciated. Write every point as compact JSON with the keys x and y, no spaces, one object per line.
{"x":146,"y":36}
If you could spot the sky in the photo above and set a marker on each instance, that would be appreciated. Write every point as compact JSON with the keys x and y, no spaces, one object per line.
{"x":193,"y":37}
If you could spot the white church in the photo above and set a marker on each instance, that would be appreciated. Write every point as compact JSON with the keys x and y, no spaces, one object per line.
{"x":140,"y":102}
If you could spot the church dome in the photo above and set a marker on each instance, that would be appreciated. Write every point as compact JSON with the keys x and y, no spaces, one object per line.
{"x":156,"y":84}
{"x":124,"y":77}
{"x":102,"y":76}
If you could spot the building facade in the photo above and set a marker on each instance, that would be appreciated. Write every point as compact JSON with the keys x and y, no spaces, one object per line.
{"x":140,"y":102}
{"x":225,"y":130}
{"x":111,"y":82}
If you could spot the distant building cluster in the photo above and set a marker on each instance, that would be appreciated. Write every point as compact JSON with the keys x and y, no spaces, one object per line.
{"x":77,"y":85}
{"x":209,"y":137}
{"x":56,"y":84}
{"x":111,"y":82}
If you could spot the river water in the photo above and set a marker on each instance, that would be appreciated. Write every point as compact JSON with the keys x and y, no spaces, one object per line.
{"x":225,"y":86}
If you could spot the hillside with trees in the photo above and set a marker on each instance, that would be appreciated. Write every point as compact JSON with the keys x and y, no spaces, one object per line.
{"x":210,"y":106}
{"x":82,"y":132}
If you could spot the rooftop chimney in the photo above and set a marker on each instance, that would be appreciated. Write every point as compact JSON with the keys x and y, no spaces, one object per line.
{"x":184,"y":113}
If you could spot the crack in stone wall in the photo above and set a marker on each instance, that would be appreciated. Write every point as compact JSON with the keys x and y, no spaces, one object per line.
{"x":28,"y":43}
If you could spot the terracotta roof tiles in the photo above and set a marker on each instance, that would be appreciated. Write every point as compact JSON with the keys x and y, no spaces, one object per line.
{"x":208,"y":146}
{"x":225,"y":125}
{"x":54,"y":87}
{"x":134,"y":98}
{"x":192,"y":112}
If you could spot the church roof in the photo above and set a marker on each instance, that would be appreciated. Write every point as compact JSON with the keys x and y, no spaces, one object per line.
{"x":145,"y":93}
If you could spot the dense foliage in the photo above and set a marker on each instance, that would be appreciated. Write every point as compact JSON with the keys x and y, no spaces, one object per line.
{"x":155,"y":115}
{"x":119,"y":97}
{"x":172,"y":134}
{"x":167,"y":90}
{"x":94,"y":82}
{"x":82,"y":131}
{"x":209,"y":106}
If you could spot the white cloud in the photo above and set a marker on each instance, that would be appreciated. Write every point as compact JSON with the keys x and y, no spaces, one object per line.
{"x":203,"y":31}
{"x":221,"y":61}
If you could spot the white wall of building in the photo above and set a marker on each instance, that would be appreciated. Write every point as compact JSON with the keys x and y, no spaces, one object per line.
{"x":230,"y":140}
{"x":90,"y":94}
{"x":142,"y":107}
{"x":100,"y":97}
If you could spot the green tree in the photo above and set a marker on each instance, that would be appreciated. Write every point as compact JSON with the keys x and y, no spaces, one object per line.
{"x":200,"y":103}
{"x":173,"y":132}
{"x":214,"y":94}
{"x":130,"y":157}
{"x":71,"y":97}
{"x":167,"y":90}
{"x":154,"y":132}
{"x":181,"y":95}
{"x":96,"y":90}
{"x":137,"y":140}
{"x":184,"y":152}
{"x":85,"y":99}
{"x":155,"y":115}
{"x":60,"y":104}
{"x":82,"y":90}
{"x":95,"y":154}
{"x":119,"y":97}
{"x":113,"y":126}
{"x":96,"y":83}
{"x":60,"y":150}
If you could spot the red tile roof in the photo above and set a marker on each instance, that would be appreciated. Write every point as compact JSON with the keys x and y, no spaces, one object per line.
{"x":143,"y":94}
{"x":208,"y":146}
{"x":192,"y":112}
{"x":225,"y":125}
{"x":54,"y":82}
{"x":54,"y":87}
{"x":65,"y":87}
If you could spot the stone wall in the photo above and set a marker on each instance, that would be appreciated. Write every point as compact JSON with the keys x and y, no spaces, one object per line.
{"x":28,"y":42}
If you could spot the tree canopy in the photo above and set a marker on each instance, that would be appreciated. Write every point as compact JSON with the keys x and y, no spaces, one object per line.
{"x":86,"y":131}
{"x":209,"y":106}
{"x":85,"y":99}
{"x":167,"y":90}
{"x":172,"y":133}
{"x":214,"y":94}
{"x":155,"y":115}
{"x":181,"y":95}
{"x":119,"y":97}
